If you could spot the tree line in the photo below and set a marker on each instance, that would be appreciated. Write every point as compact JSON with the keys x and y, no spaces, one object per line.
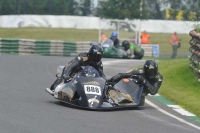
{"x":112,"y":9}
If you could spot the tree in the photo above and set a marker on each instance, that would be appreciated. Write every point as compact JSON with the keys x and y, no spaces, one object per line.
{"x":64,"y":7}
{"x":185,"y":9}
{"x":154,"y":9}
{"x":194,"y":10}
{"x":35,"y":6}
{"x":71,"y":7}
{"x":56,"y":7}
{"x":121,"y":9}
{"x":86,"y":7}
{"x":24,"y":7}
{"x":7,"y":7}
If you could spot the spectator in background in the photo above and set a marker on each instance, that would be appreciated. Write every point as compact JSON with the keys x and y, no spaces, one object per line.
{"x":174,"y":41}
{"x":145,"y":38}
{"x":103,"y":37}
{"x":114,"y":38}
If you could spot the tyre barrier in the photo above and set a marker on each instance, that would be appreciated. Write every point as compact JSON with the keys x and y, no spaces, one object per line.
{"x":56,"y":47}
{"x":41,"y":47}
{"x":194,"y":64}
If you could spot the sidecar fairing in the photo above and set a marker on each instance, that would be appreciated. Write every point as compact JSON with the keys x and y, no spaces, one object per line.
{"x":110,"y":51}
{"x":128,"y":86}
{"x":86,"y":90}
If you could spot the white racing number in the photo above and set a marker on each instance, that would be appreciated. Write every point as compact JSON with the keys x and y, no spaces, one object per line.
{"x":92,"y":89}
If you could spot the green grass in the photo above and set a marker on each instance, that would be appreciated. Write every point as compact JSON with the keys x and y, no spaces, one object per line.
{"x":50,"y":34}
{"x":75,"y":35}
{"x":180,"y":85}
{"x":163,"y":41}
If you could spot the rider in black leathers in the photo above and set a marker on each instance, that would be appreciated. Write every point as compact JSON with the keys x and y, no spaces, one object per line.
{"x":136,"y":53}
{"x":92,"y":58}
{"x":148,"y":75}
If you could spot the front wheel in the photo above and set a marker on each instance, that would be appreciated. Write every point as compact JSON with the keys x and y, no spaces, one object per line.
{"x":142,"y":101}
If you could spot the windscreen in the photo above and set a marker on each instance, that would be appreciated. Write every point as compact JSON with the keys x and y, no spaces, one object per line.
{"x":107,"y":43}
{"x":89,"y":71}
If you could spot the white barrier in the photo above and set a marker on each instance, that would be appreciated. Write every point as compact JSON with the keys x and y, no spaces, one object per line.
{"x":83,"y":22}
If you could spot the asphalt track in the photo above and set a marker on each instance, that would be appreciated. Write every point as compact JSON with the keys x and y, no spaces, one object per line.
{"x":25,"y":107}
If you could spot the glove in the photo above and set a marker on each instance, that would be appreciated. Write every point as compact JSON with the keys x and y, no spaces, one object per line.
{"x":140,"y":80}
{"x":110,"y":82}
{"x":116,"y":78}
{"x":66,"y":78}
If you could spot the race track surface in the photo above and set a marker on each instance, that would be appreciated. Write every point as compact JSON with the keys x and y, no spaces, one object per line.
{"x":27,"y":108}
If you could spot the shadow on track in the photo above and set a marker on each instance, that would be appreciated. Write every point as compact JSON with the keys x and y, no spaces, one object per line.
{"x":99,"y":109}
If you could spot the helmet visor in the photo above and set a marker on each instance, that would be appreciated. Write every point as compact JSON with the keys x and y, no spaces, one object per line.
{"x":97,"y":57}
{"x":150,"y":73}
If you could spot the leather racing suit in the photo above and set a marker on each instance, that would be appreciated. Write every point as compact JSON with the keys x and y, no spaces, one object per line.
{"x":115,"y":41}
{"x":75,"y":66}
{"x":150,"y":85}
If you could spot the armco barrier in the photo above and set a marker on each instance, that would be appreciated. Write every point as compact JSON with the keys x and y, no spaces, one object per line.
{"x":195,"y":50}
{"x":55,"y":47}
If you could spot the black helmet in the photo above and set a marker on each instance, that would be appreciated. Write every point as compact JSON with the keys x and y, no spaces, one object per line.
{"x":125,"y":43}
{"x":150,"y":68}
{"x":95,"y":53}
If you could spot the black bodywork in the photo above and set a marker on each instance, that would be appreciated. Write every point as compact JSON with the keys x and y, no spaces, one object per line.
{"x":87,"y":90}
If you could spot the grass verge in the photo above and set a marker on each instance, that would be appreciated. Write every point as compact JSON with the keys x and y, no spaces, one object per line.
{"x":77,"y":35}
{"x":180,"y":85}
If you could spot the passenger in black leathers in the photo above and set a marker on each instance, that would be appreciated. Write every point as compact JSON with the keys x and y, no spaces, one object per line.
{"x":92,"y":58}
{"x":115,"y":39}
{"x":148,"y":76}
